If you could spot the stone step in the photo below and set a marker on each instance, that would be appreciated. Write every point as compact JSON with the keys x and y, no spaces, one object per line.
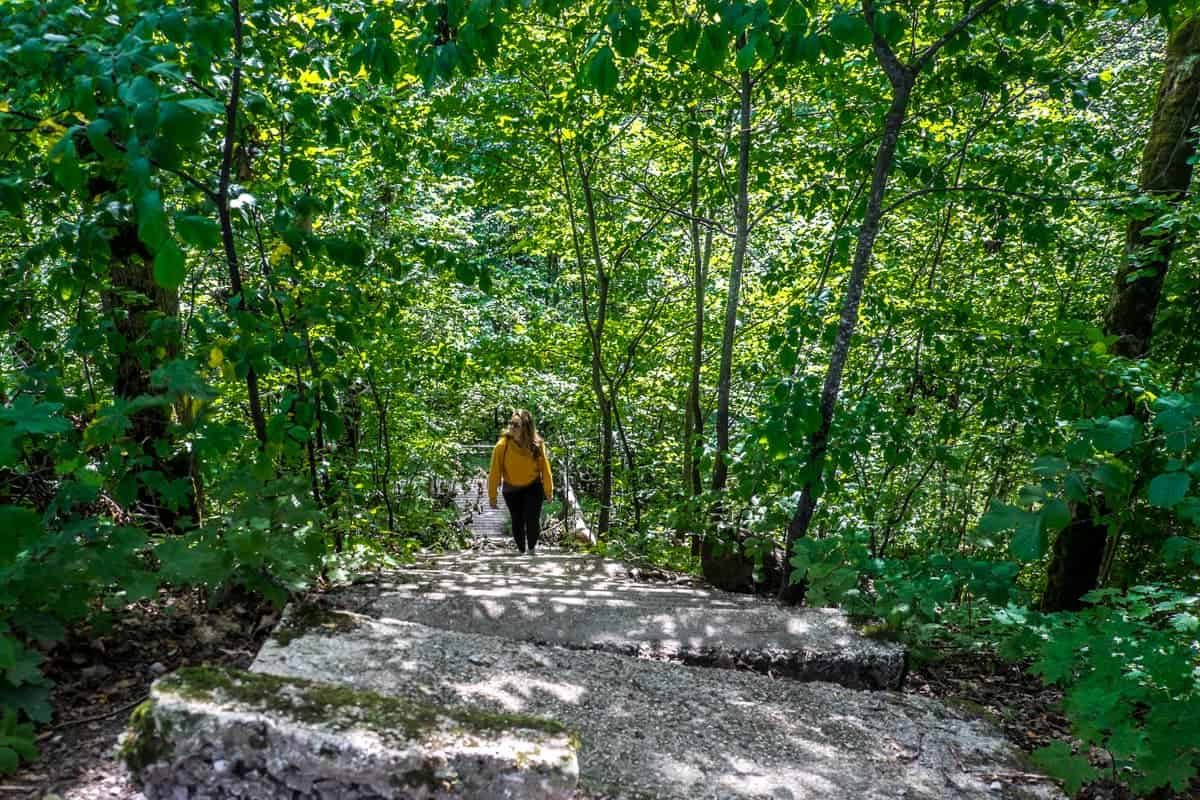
{"x":654,"y":729}
{"x":209,"y":733}
{"x":590,"y":603}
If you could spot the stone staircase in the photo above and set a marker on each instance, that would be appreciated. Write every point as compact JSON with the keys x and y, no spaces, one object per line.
{"x":490,"y":674}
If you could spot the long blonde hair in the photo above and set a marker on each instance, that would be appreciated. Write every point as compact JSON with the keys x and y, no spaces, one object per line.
{"x":526,"y":436}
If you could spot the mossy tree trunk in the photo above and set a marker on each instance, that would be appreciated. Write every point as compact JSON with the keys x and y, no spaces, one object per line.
{"x":144,"y":315}
{"x":1166,"y":174}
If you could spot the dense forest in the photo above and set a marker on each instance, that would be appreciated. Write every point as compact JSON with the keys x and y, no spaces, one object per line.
{"x":887,"y":305}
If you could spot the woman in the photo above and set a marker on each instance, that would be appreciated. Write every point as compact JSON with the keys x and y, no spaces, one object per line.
{"x":519,"y":460}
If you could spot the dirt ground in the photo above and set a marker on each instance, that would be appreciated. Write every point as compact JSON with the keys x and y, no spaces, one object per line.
{"x":102,"y":676}
{"x":1021,"y":706}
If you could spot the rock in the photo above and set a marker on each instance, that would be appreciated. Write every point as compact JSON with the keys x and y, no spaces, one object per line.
{"x":292,"y":737}
{"x":581,"y":601}
{"x":677,"y":731}
{"x":157,"y":668}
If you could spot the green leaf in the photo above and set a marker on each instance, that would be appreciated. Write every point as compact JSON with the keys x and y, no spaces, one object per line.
{"x":1055,"y":515}
{"x":1058,"y":760}
{"x":140,"y":90}
{"x":198,"y":231}
{"x":1168,"y":489}
{"x":711,"y":52}
{"x":1049,"y":466}
{"x":602,"y":72}
{"x":1074,"y":488}
{"x":178,"y":128}
{"x":97,"y":135}
{"x":746,"y":56}
{"x":16,"y":742}
{"x":849,"y":29}
{"x":64,"y":163}
{"x":682,"y":40}
{"x":20,"y":525}
{"x":193,"y":559}
{"x":170,"y":267}
{"x":1111,"y":476}
{"x":1000,"y":517}
{"x":152,"y":220}
{"x":1029,"y":538}
{"x":30,"y":416}
{"x":31,"y":698}
{"x":1115,"y":435}
{"x":203,"y":105}
{"x":1185,"y":622}
{"x":627,"y":32}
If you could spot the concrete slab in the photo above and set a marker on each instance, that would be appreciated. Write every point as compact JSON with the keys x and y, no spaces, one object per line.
{"x":586,"y":602}
{"x":210,"y":733}
{"x":654,"y":729}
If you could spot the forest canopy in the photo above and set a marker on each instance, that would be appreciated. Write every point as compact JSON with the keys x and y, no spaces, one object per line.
{"x":890,"y":306}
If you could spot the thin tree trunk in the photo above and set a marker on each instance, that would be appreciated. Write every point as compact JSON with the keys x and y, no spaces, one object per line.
{"x":595,"y":328}
{"x":385,"y":441}
{"x":301,"y":389}
{"x":1166,"y":174}
{"x":630,"y":462}
{"x":603,"y":400}
{"x":902,"y":78}
{"x":741,"y":237}
{"x":819,"y":440}
{"x":222,"y":201}
{"x":724,"y":568}
{"x":693,"y":425}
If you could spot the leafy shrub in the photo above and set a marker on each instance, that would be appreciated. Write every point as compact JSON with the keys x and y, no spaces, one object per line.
{"x":1129,"y":667}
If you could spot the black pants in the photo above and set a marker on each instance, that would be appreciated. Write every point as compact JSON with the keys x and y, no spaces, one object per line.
{"x":525,"y":508}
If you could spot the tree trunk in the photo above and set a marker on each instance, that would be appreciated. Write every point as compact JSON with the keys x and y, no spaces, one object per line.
{"x":603,"y":400}
{"x":630,"y":461}
{"x":595,"y":328}
{"x":902,"y":80}
{"x":1166,"y":174}
{"x":134,"y":303}
{"x":222,"y":202}
{"x":693,"y":423}
{"x":726,"y":568}
{"x":741,"y":237}
{"x":385,"y":441}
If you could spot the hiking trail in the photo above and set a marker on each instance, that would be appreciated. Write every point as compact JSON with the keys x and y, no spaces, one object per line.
{"x":485,"y":673}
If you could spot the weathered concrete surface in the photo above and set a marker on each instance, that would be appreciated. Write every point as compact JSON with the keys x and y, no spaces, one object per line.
{"x":208,"y":733}
{"x":586,"y":602}
{"x":654,"y":729}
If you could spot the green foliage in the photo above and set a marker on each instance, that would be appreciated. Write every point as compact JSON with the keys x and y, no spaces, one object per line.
{"x":908,"y":595}
{"x":1130,"y":670}
{"x":16,"y":741}
{"x":425,"y":206}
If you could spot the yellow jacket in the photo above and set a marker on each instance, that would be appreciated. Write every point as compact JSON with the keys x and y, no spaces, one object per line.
{"x":517,"y":467}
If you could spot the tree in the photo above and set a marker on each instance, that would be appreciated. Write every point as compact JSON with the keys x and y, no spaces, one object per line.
{"x":1164,"y":180}
{"x":902,"y":78}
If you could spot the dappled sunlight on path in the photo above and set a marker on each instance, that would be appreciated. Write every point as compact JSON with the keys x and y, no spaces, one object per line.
{"x":552,"y":636}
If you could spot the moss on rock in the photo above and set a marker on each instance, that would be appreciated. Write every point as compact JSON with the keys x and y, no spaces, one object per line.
{"x":310,"y":702}
{"x":147,"y":739}
{"x":312,"y":618}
